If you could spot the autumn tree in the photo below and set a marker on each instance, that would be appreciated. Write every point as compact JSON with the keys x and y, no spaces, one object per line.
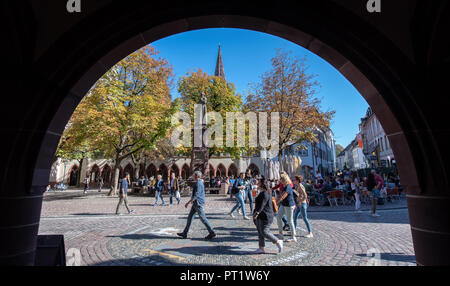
{"x":128,"y":110}
{"x":287,"y":88}
{"x":221,"y":97}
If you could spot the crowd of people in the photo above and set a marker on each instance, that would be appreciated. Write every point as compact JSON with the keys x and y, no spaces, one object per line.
{"x":285,"y":200}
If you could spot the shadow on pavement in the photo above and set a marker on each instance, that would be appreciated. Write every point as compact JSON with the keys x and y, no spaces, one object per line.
{"x":400,"y":257}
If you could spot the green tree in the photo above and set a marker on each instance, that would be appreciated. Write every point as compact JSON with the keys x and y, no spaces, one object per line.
{"x":128,"y":110}
{"x":287,"y":88}
{"x":221,"y":97}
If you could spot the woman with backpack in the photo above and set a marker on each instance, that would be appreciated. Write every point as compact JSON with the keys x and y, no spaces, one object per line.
{"x":238,"y":192}
{"x":301,"y":201}
{"x":263,"y":217}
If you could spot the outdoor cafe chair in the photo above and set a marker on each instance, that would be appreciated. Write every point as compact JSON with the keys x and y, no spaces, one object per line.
{"x":332,"y":197}
{"x":339,"y":196}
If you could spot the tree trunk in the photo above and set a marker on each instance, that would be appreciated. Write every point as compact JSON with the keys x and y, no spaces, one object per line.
{"x":113,"y":190}
{"x":136,"y":171}
{"x":79,"y":173}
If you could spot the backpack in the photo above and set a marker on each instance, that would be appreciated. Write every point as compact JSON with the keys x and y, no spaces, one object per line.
{"x":234,"y":189}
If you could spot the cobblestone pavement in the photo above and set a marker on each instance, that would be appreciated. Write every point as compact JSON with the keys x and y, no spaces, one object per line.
{"x":148,"y":237}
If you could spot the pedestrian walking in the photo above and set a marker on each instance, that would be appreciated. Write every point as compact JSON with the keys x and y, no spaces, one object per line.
{"x":263,"y":218}
{"x":287,"y":207}
{"x":301,"y":202}
{"x":198,"y":201}
{"x":86,"y":184}
{"x":277,"y":190}
{"x":249,"y":182}
{"x":372,"y":187}
{"x":159,"y":187}
{"x":123,"y":197}
{"x":100,"y":184}
{"x":357,"y":191}
{"x":239,"y":193}
{"x":174,"y":189}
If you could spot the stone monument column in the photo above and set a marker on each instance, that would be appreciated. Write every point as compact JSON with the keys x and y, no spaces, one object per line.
{"x":200,"y":153}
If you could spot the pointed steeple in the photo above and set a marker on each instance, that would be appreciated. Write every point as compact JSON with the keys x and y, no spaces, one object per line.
{"x":219,"y":65}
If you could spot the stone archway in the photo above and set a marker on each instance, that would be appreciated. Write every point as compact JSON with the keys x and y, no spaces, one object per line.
{"x":174,"y":169}
{"x":73,"y":176}
{"x":94,"y":175}
{"x":164,"y":172}
{"x":185,"y":172}
{"x":151,"y":171}
{"x":407,"y":104}
{"x":107,"y":175}
{"x":130,"y":170}
{"x":221,"y":171}
{"x":233,"y":170}
{"x":253,"y":169}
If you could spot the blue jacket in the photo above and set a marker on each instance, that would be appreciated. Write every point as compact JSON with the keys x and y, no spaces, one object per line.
{"x":198,"y":193}
{"x":160,"y":185}
{"x":239,"y":182}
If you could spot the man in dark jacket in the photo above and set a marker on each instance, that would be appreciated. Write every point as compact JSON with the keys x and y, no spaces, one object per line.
{"x":197,"y":200}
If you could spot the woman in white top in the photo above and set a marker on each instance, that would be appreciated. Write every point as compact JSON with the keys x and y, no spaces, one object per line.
{"x":357,"y":191}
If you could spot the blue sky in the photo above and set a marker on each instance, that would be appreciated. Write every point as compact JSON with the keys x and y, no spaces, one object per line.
{"x":246,"y":56}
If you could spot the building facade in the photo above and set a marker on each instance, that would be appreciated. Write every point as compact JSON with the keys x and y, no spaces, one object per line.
{"x":377,"y":147}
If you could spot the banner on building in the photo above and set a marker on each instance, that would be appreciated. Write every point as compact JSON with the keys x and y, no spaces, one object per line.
{"x":360,"y":142}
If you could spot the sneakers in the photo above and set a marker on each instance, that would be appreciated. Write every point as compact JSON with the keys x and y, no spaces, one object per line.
{"x":210,"y":236}
{"x":286,"y":227}
{"x":239,"y":211}
{"x":259,"y":251}
{"x":375,"y":215}
{"x":117,"y":213}
{"x":182,"y":235}
{"x":309,"y":235}
{"x":232,"y":215}
{"x":292,"y":239}
{"x":246,"y":218}
{"x":358,"y":211}
{"x":280,"y":246}
{"x":131,"y":211}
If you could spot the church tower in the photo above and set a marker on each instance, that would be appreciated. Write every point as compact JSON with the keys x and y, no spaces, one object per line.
{"x":219,"y":65}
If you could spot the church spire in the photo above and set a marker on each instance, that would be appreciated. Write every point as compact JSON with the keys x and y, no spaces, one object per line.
{"x":219,"y":65}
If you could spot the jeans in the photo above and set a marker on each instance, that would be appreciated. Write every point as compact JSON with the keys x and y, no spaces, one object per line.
{"x":248,"y":194}
{"x":173,"y":193}
{"x":158,"y":195}
{"x":357,"y":201}
{"x":263,"y":228}
{"x":125,"y":200}
{"x":288,"y":211}
{"x":201,"y":213}
{"x":301,"y":210}
{"x":239,"y":203}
